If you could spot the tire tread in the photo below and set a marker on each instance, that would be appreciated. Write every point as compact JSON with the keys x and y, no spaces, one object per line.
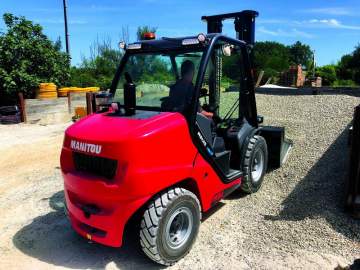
{"x":150,"y":221}
{"x":246,"y":185}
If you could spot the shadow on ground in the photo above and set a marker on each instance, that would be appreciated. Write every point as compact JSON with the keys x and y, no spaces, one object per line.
{"x":50,"y":238}
{"x":321,"y":192}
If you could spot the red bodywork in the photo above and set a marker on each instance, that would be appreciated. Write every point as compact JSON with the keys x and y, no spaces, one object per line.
{"x":153,"y":154}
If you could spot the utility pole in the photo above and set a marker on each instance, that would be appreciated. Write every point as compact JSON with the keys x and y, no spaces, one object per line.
{"x":314,"y":64}
{"x":66,"y":29}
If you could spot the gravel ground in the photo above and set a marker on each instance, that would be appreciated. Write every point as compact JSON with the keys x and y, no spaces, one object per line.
{"x":294,"y":222}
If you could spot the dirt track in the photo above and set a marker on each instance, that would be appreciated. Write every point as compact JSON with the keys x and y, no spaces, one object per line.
{"x":295,"y":221}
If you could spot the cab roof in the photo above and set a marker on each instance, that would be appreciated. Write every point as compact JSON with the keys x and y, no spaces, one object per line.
{"x":166,"y":43}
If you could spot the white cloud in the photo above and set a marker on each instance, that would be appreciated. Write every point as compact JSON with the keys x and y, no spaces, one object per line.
{"x":263,"y":30}
{"x":282,"y":33}
{"x":314,"y":23}
{"x":328,"y":23}
{"x":298,"y":33}
{"x":338,"y":11}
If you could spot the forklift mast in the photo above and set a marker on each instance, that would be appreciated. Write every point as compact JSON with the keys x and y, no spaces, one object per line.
{"x":244,"y":24}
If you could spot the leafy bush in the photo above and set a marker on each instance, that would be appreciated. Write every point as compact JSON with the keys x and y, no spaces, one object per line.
{"x":349,"y":66}
{"x":274,"y":58}
{"x":327,"y":73}
{"x":99,"y":68}
{"x":271,"y":56}
{"x":339,"y":83}
{"x":28,"y":57}
{"x":301,"y":54}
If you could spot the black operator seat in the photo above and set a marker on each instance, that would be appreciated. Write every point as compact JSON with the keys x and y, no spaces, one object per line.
{"x":206,"y":126}
{"x":216,"y":143}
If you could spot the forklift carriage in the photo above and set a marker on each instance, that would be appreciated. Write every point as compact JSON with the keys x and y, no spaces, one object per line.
{"x":165,"y":149}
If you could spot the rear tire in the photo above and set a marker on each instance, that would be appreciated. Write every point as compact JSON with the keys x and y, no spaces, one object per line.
{"x":254,"y":164}
{"x":170,"y":225}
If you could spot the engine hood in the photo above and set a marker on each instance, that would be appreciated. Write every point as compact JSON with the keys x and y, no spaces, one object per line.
{"x":158,"y":145}
{"x":106,"y":128}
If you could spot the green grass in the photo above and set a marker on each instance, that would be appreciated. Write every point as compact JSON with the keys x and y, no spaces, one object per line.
{"x":150,"y":95}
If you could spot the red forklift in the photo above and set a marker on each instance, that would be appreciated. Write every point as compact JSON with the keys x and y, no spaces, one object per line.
{"x":141,"y":153}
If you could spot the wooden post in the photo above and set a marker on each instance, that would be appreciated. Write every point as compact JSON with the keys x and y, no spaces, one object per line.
{"x":69,"y":101}
{"x":268,"y":81}
{"x":22,"y":107}
{"x":261,"y":74}
{"x":89,"y":97}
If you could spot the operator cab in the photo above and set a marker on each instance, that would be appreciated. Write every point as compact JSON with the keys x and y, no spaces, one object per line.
{"x":152,"y":69}
{"x":218,"y":100}
{"x":221,"y":90}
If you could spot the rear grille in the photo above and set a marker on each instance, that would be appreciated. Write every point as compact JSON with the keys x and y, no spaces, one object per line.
{"x":100,"y":166}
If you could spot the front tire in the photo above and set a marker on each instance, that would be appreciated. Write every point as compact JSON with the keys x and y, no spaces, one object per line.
{"x":254,"y":164}
{"x":170,"y":225}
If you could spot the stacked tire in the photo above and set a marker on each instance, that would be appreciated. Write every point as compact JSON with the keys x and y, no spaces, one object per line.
{"x":47,"y":91}
{"x":10,"y":115}
{"x":84,"y":89}
{"x":63,"y":92}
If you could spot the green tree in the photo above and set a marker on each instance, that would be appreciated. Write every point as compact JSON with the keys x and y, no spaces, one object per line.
{"x":343,"y":69}
{"x":327,"y":73}
{"x":348,"y":68}
{"x":300,"y":54}
{"x":354,"y":64}
{"x":28,"y":57}
{"x":272,"y":57}
{"x":141,"y":30}
{"x":99,"y":68}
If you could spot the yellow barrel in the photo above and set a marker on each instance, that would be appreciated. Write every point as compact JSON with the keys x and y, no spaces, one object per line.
{"x":47,"y":95}
{"x":46,"y":90}
{"x":63,"y":92}
{"x":83,"y":89}
{"x":92,"y":89}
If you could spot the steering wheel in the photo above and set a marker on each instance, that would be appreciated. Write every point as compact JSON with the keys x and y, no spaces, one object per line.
{"x":210,"y":108}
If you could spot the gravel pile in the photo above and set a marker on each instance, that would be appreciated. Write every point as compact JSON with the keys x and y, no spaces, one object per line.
{"x":295,"y":221}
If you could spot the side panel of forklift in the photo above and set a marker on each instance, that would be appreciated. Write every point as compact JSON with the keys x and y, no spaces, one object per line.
{"x":100,"y":205}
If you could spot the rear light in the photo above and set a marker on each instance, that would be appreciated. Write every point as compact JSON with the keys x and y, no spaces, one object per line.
{"x":134,"y":46}
{"x":149,"y":35}
{"x":190,"y":41}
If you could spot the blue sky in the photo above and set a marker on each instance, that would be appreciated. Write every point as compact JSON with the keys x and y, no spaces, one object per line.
{"x":331,"y":28}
